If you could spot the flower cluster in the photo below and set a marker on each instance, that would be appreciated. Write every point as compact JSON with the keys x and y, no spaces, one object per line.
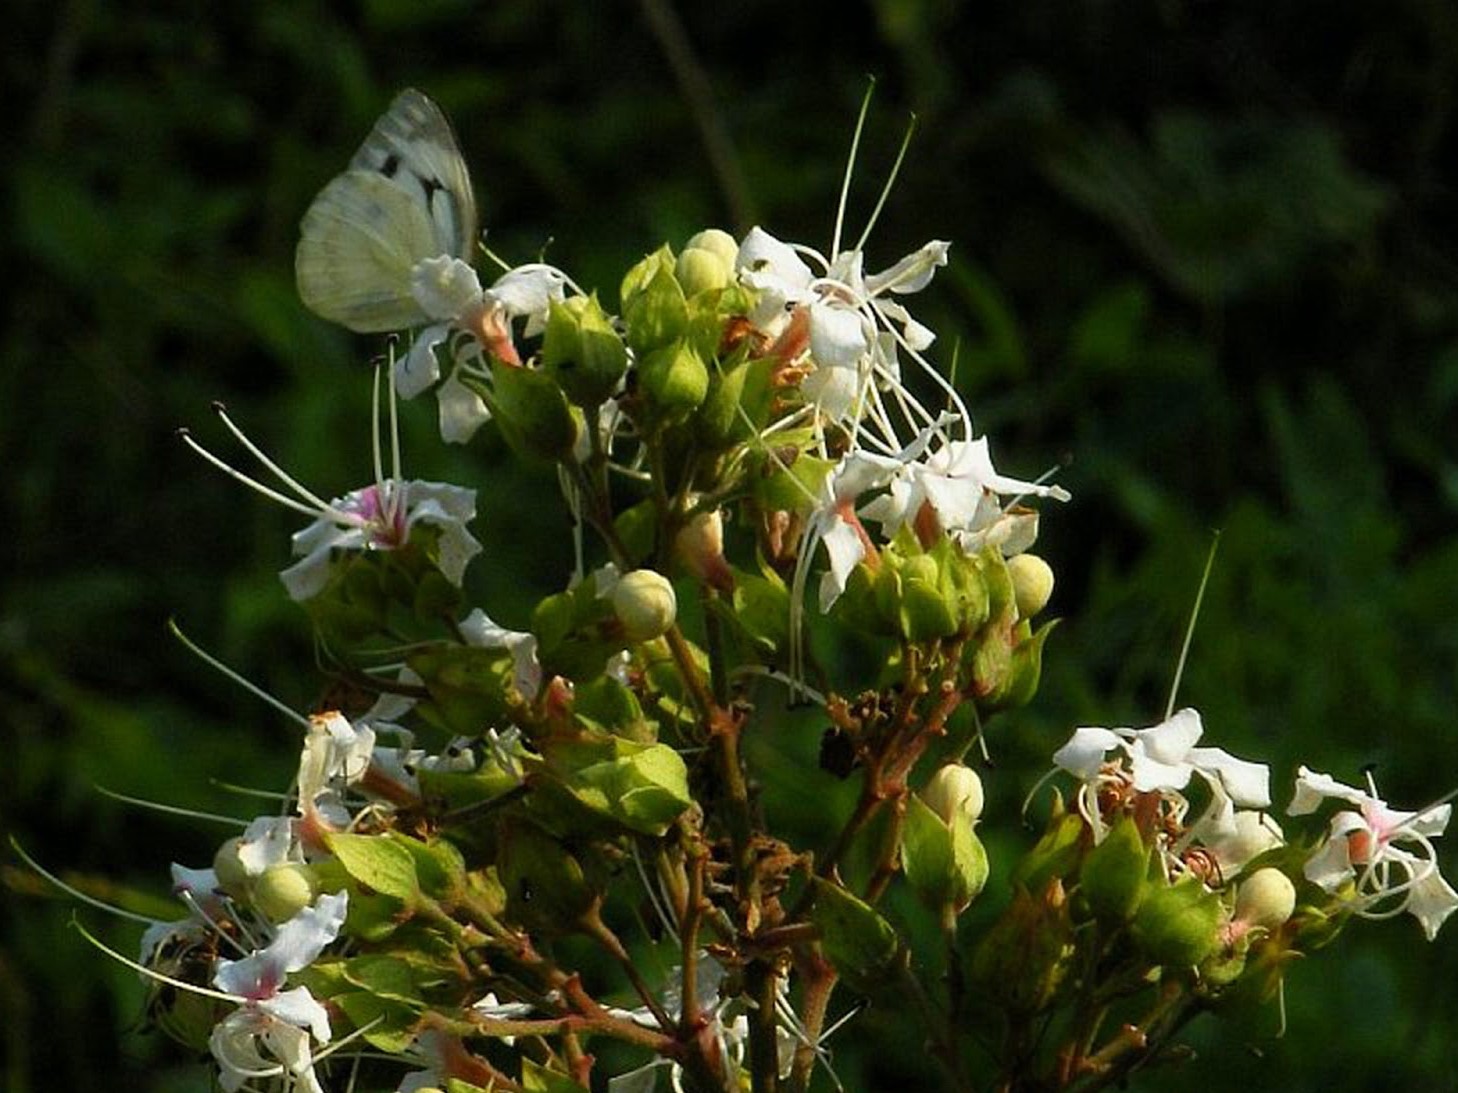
{"x":494,"y":816}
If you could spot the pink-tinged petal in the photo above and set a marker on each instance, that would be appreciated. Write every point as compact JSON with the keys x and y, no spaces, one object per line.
{"x":1249,"y":784}
{"x":1085,"y":751}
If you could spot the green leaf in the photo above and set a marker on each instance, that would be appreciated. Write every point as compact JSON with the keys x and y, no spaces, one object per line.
{"x":538,"y":1079}
{"x":378,"y":863}
{"x":860,"y":943}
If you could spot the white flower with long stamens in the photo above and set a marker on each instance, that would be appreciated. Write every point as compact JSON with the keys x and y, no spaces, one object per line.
{"x":1163,"y":758}
{"x":1362,"y":848}
{"x":380,"y":516}
{"x":272,"y":1032}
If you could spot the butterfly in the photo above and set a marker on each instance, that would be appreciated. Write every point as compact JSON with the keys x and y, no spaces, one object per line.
{"x":405,"y":197}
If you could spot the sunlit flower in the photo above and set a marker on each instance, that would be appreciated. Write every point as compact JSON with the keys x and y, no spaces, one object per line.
{"x":1362,"y":847}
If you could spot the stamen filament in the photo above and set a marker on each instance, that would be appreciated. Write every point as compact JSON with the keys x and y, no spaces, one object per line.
{"x":248,"y":685}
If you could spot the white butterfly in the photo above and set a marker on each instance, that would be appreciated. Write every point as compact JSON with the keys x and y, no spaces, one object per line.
{"x":405,"y":197}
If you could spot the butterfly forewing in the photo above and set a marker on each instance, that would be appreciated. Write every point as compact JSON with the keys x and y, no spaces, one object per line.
{"x":414,"y":146}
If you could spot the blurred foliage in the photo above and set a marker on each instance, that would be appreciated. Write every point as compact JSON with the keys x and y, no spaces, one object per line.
{"x":1204,"y":251}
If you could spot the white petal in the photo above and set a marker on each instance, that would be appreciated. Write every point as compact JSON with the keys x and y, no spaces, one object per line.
{"x":300,"y":1009}
{"x":444,"y":287}
{"x":1170,"y":741}
{"x":1431,"y":900}
{"x":419,"y":369}
{"x":837,"y":337}
{"x":765,"y":257}
{"x":1249,"y":784}
{"x":462,"y":411}
{"x":1331,"y":866}
{"x":846,"y":550}
{"x":1313,"y":787}
{"x":912,"y":273}
{"x":1084,"y":753}
{"x":266,"y":841}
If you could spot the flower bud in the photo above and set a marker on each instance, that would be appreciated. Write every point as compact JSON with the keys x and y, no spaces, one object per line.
{"x":954,"y":790}
{"x":700,"y":546}
{"x":228,"y":865}
{"x":1112,"y":878}
{"x":699,"y":269}
{"x":654,"y":307}
{"x":1266,"y":898}
{"x":717,"y":242}
{"x":582,"y":351}
{"x":534,"y":416}
{"x":1032,"y":580}
{"x":1178,"y":925}
{"x":644,"y":603}
{"x":674,"y":381}
{"x":283,"y":891}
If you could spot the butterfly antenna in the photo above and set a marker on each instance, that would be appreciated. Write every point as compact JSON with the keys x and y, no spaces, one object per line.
{"x":850,"y":166}
{"x":1174,"y":686}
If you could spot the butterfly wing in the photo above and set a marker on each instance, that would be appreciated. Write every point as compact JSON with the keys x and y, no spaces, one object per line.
{"x":414,"y":145}
{"x":406,"y":196}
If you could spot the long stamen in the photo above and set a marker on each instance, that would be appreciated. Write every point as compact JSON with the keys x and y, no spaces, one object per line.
{"x":252,"y":483}
{"x":850,"y":165}
{"x":153,"y":973}
{"x":249,"y":686}
{"x":890,"y":181}
{"x":76,"y":893}
{"x":254,"y":450}
{"x":1190,"y":628}
{"x":171,"y":810}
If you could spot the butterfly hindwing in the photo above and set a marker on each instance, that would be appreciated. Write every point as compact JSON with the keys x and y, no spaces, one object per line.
{"x":405,"y":197}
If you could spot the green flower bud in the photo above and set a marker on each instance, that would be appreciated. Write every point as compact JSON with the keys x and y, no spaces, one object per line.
{"x":717,"y":242}
{"x":532,"y":412}
{"x":699,"y":269}
{"x":944,"y":859}
{"x":1055,"y":854}
{"x":674,"y":380}
{"x":1266,"y":898}
{"x":718,"y":423}
{"x":644,"y":603}
{"x":582,"y":351}
{"x":654,"y":307}
{"x":1178,"y":924}
{"x":954,"y":791}
{"x":927,"y":611}
{"x":1112,"y":878}
{"x":284,"y":890}
{"x":1032,"y":580}
{"x":228,"y":865}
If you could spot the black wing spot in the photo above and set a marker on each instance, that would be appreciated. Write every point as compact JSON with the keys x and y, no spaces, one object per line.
{"x":391,"y":165}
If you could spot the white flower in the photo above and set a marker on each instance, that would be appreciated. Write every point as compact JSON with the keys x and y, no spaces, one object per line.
{"x":380,"y":517}
{"x":449,"y":292}
{"x":959,"y":484}
{"x":335,"y":754}
{"x":1361,"y":846}
{"x":272,"y":1032}
{"x":847,"y":311}
{"x":1162,"y":759}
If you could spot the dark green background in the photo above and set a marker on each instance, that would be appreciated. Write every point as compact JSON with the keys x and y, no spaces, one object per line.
{"x":1204,"y":252}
